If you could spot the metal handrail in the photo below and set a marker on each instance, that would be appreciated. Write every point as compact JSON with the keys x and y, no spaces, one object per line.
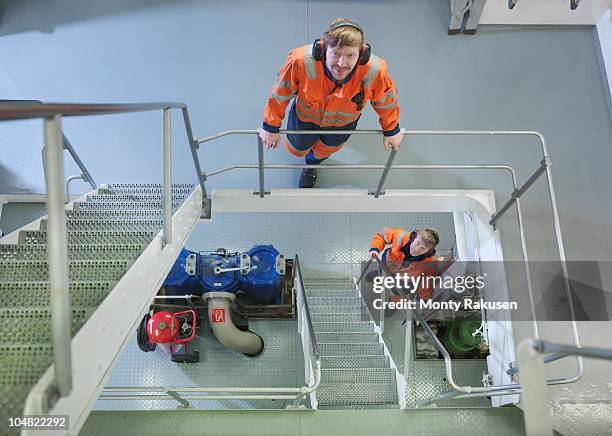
{"x":313,"y":339}
{"x":36,"y":109}
{"x":69,"y":180}
{"x":17,"y":111}
{"x":542,"y":347}
{"x":84,"y":171}
{"x":67,"y":145}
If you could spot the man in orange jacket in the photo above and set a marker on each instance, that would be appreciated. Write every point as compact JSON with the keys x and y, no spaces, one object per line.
{"x":411,"y":253}
{"x":330,"y":81}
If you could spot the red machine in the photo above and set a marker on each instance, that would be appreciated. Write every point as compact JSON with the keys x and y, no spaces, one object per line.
{"x":174,"y":330}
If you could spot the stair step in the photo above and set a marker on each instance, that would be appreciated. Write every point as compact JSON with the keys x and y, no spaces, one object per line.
{"x":347,"y":337}
{"x":146,"y":188}
{"x":340,"y":317}
{"x":101,"y":214}
{"x":103,"y":198}
{"x":33,"y":325}
{"x":123,"y":205}
{"x":23,"y":364}
{"x":358,"y":375}
{"x":92,"y":237}
{"x":336,"y":308}
{"x":354,"y":349}
{"x":75,"y":251}
{"x":343,"y":326}
{"x":36,"y":294}
{"x":333,"y":301}
{"x":321,"y":293}
{"x":373,"y":361}
{"x":364,"y":394}
{"x":79,"y":270}
{"x":110,"y":224}
{"x":323,"y":284}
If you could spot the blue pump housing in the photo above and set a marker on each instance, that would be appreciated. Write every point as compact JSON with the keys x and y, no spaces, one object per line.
{"x":223,"y":282}
{"x":263,"y":282}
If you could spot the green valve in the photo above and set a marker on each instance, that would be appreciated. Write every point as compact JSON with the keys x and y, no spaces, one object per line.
{"x":459,"y":337}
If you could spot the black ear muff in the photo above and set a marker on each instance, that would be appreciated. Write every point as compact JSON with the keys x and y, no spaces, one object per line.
{"x":366,"y":52}
{"x":317,"y":50}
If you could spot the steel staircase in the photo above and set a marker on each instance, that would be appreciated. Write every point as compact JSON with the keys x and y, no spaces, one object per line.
{"x":355,"y":368}
{"x":107,"y":232}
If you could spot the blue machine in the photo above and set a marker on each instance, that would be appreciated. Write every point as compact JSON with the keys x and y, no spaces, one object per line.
{"x":263,"y":282}
{"x":257,"y":272}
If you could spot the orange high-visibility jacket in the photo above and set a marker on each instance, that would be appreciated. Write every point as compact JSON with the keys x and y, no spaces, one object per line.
{"x":319,"y":101}
{"x":394,"y":240}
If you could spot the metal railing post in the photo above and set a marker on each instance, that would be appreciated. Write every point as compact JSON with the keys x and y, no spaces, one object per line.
{"x":194,"y":145}
{"x":58,"y":254}
{"x":520,"y":191}
{"x":534,"y":396}
{"x":385,"y":173}
{"x":562,"y":259}
{"x":260,"y":163}
{"x":167,"y":235}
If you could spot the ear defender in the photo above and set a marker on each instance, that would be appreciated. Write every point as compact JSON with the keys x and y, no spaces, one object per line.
{"x":318,"y":47}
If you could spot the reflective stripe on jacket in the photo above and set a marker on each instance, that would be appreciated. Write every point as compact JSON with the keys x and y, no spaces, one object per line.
{"x":319,"y":101}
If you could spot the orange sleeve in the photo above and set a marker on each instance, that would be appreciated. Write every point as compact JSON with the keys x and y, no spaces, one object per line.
{"x":378,"y":243}
{"x":388,"y":236}
{"x":395,"y":258}
{"x":285,"y":88}
{"x":384,"y":98}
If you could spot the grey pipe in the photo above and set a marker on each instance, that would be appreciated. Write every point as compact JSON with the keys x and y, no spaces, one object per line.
{"x":225,"y":331}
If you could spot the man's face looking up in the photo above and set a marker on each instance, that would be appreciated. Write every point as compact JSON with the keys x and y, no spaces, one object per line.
{"x":418,"y":247}
{"x":340,"y":61}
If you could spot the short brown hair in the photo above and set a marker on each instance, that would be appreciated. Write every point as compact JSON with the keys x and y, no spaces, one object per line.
{"x":430,"y":237}
{"x":345,"y":36}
